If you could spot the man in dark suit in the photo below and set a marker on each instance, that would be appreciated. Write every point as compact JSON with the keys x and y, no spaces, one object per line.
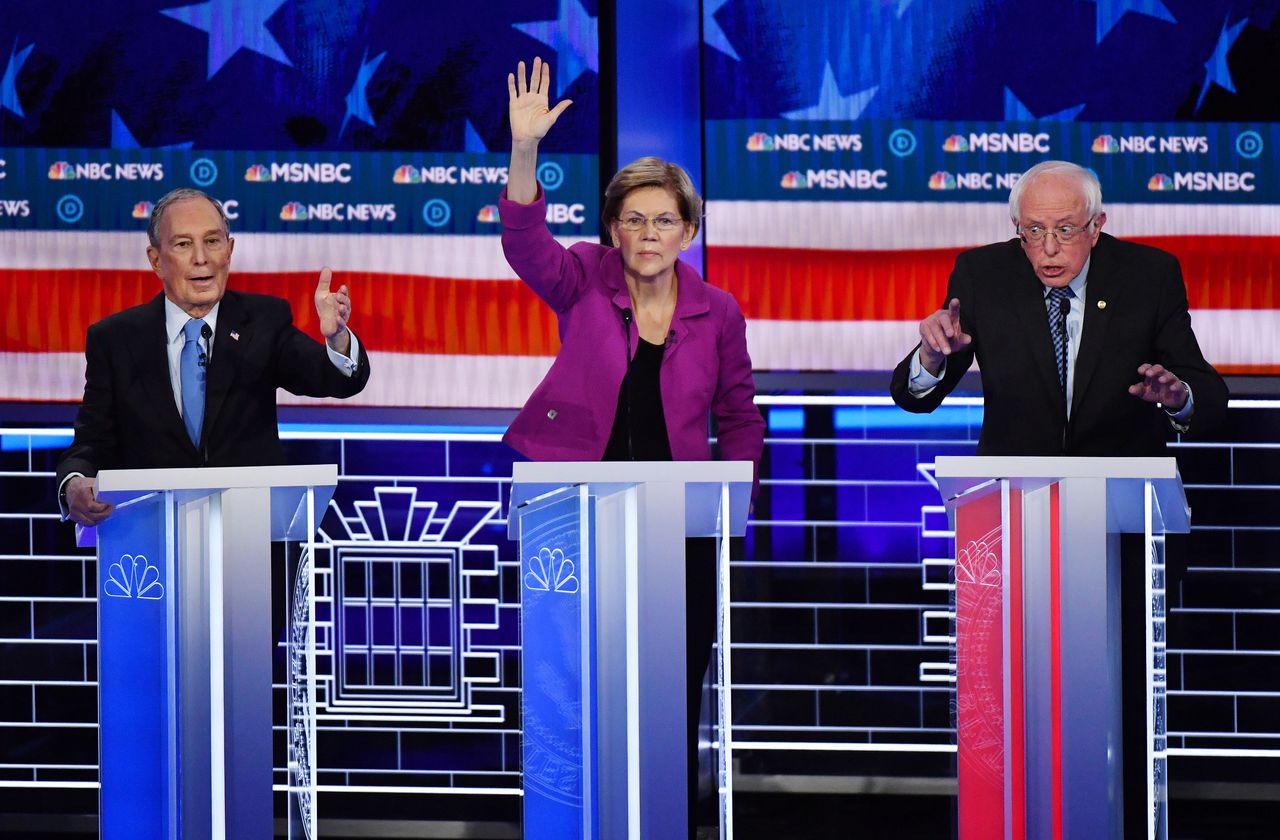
{"x":1133,"y":370}
{"x":1085,"y":348}
{"x":189,"y":379}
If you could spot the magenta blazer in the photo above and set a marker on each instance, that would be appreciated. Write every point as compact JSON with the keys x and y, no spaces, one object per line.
{"x":705,"y":368}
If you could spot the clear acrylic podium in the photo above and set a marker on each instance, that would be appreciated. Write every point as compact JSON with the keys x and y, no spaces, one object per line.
{"x":1037,"y":632}
{"x":603,"y":635}
{"x":184,"y":650}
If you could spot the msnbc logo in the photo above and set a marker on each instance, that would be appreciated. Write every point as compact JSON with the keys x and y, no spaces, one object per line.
{"x":955,"y":143}
{"x":1160,"y":182}
{"x":62,"y":171}
{"x":760,"y":142}
{"x":488,"y":213}
{"x":1105,"y":144}
{"x":257,"y":173}
{"x":794,"y":181}
{"x":293,"y":212}
{"x":407,"y":175}
{"x":142,"y":210}
{"x":942,"y":181}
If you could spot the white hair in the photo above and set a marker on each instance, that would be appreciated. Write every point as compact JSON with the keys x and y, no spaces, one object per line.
{"x":1090,"y":189}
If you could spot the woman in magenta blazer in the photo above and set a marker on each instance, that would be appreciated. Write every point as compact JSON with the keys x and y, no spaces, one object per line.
{"x":648,"y":351}
{"x":635,"y":306}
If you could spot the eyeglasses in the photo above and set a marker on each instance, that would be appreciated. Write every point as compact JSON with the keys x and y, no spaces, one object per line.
{"x":1062,"y":233}
{"x":662,"y":224}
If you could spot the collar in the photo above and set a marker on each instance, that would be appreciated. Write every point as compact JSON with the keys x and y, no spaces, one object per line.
{"x":175,"y":319}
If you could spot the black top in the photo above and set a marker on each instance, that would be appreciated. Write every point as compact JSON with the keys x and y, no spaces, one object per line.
{"x":639,"y":427}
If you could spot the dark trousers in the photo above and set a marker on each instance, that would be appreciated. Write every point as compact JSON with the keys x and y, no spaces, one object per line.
{"x":700,"y":636}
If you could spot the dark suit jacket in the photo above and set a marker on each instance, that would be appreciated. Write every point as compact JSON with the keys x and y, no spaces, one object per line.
{"x":1145,"y":320}
{"x":129,"y":420}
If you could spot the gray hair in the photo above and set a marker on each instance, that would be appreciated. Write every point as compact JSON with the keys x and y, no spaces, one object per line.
{"x":1090,"y":188}
{"x":653,"y":172}
{"x":181,"y":194}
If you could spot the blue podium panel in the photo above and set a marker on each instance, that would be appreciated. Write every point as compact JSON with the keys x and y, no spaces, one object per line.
{"x":137,"y":690}
{"x":559,"y":646}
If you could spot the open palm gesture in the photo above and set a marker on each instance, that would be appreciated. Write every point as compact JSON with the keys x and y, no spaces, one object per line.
{"x":531,"y":118}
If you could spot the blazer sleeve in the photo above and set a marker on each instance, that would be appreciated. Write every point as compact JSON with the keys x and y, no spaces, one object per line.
{"x":959,"y":286}
{"x":302,"y":364}
{"x":95,"y":445}
{"x":739,"y":426}
{"x":1176,"y":348}
{"x":555,"y":273}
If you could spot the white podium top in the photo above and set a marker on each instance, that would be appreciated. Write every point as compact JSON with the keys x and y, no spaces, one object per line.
{"x":129,"y":483}
{"x":959,"y":475}
{"x":702,"y":479}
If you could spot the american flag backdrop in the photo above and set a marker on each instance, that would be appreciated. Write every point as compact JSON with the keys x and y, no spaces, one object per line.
{"x":852,"y":149}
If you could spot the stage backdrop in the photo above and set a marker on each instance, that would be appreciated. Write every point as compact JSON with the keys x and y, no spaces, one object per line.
{"x":371,"y":137}
{"x":854,"y":148}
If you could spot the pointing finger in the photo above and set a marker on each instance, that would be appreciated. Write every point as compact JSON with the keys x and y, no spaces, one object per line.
{"x":326,"y":277}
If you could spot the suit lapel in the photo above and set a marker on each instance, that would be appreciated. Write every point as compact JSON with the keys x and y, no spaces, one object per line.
{"x":1102,"y":287}
{"x":692,"y":301}
{"x":226,"y":358}
{"x":1028,"y":302}
{"x":148,"y":348}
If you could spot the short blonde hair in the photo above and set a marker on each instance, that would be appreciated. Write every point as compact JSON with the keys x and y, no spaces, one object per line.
{"x":653,"y":172}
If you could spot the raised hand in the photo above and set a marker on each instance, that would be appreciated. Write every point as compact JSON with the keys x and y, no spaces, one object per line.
{"x":940,"y":336}
{"x":1159,"y":385}
{"x":334,"y":309}
{"x":531,"y":118}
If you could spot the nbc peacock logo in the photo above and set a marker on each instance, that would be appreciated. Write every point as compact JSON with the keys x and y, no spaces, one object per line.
{"x":257,"y":174}
{"x":760,"y":142}
{"x":1105,"y":144}
{"x":1160,"y":182}
{"x":293,"y":212}
{"x":62,"y":171}
{"x":142,"y":210}
{"x":488,"y":214}
{"x":407,"y":175}
{"x":955,"y":143}
{"x":942,"y":181}
{"x":794,"y":180}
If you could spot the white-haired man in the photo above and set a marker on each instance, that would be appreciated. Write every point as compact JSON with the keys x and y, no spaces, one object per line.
{"x":1084,"y":341}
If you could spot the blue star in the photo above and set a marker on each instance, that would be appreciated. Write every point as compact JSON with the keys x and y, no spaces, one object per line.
{"x":573,"y":36}
{"x":357,"y":100}
{"x":1216,"y":70}
{"x":472,"y":141}
{"x":9,"y":84}
{"x":1015,"y":110}
{"x":831,"y":105}
{"x":1110,"y":12}
{"x":712,"y":35}
{"x":232,"y":25}
{"x":122,"y":137}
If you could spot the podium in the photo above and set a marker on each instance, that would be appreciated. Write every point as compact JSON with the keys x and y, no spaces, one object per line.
{"x":1037,"y":633}
{"x":603,"y":637}
{"x":184,"y":650}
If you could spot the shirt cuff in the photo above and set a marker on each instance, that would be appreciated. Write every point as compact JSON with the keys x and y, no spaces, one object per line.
{"x":1182,"y":419}
{"x":62,"y":504}
{"x":346,"y":364}
{"x":921,"y":382}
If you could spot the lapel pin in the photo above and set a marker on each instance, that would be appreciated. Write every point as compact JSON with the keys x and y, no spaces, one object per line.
{"x":1102,"y":304}
{"x":235,"y":336}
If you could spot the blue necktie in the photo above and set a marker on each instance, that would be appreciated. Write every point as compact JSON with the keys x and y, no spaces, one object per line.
{"x":191,"y":372}
{"x":1058,"y":302}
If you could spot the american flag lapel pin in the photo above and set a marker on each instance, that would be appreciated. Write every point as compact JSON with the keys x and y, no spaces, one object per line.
{"x":235,"y":336}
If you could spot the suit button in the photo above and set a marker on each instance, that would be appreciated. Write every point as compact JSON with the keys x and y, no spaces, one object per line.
{"x":551,"y":415}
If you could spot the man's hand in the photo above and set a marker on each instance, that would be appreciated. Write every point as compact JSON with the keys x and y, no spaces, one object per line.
{"x":940,"y":336}
{"x":334,"y":309}
{"x":82,"y":506}
{"x":1160,"y":386}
